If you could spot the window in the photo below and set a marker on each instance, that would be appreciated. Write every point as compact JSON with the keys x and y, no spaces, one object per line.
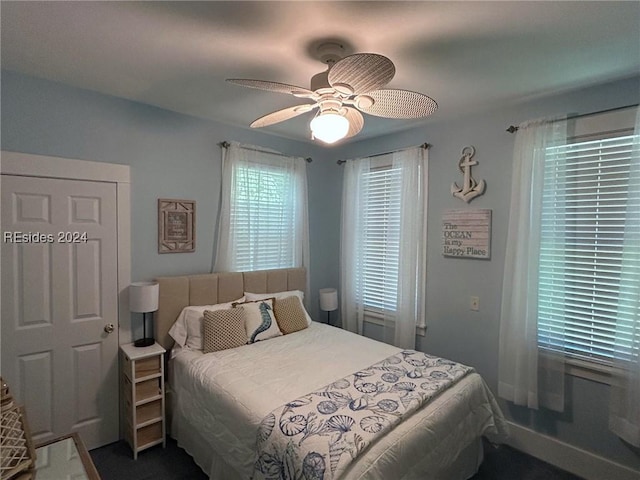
{"x":263,"y":213}
{"x":587,"y":187}
{"x":383,"y":244}
{"x":380,"y":238}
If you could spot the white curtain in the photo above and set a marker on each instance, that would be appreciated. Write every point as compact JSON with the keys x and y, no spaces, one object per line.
{"x":253,"y":175}
{"x":351,"y":246}
{"x":527,"y":377}
{"x":624,"y":419}
{"x":406,"y":275}
{"x":401,"y":330}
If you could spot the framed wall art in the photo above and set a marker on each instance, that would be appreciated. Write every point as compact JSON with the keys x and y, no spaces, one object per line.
{"x":176,"y":225}
{"x":466,"y":233}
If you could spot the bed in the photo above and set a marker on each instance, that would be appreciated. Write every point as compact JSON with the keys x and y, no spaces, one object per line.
{"x":219,"y":400}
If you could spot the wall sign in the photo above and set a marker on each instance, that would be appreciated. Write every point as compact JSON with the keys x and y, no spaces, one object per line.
{"x":176,"y":225}
{"x":466,"y":233}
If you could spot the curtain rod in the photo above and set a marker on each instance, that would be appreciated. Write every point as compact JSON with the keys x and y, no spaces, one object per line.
{"x":226,"y":144}
{"x":424,"y":145}
{"x":514,"y":129}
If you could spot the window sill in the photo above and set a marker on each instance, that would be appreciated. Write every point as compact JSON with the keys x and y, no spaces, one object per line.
{"x":376,"y":319}
{"x":590,"y":371}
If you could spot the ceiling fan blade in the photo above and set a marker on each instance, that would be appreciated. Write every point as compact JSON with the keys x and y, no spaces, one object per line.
{"x":356,"y":121}
{"x":392,"y":103}
{"x":282,"y":115}
{"x":362,"y":72}
{"x":272,"y":86}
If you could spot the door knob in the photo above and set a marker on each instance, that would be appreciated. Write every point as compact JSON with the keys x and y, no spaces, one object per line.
{"x":109,"y":328}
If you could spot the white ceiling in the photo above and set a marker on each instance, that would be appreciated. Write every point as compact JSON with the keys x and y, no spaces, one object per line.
{"x":176,"y":55}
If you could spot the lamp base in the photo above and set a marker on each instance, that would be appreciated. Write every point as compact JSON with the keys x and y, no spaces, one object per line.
{"x":144,"y":342}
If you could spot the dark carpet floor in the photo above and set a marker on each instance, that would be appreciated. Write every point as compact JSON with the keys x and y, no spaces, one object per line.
{"x":115,"y":462}
{"x":505,"y":463}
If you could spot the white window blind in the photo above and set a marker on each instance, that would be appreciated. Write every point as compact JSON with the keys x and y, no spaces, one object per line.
{"x":380,"y":238}
{"x":586,"y":190}
{"x":263,"y":215}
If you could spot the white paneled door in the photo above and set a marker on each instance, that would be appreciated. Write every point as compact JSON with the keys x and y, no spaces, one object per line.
{"x":60,"y":305}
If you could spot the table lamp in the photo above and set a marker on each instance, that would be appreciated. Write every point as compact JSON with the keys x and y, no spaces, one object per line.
{"x":328,"y":301}
{"x":143,"y":298}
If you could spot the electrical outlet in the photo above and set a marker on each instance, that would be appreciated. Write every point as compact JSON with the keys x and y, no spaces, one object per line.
{"x":474,"y":303}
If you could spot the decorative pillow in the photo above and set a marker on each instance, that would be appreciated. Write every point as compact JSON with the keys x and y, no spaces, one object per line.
{"x":223,"y":329}
{"x":259,"y":320}
{"x":187,"y":329}
{"x":278,"y":296}
{"x":290,"y":314}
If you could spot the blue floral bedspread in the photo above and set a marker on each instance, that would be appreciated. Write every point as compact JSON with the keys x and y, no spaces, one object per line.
{"x":317,"y":436}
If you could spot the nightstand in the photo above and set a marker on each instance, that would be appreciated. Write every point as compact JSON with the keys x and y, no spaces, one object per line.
{"x":144,"y":403}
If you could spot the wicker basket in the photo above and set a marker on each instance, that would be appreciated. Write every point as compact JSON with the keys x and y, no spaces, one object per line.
{"x":17,"y":455}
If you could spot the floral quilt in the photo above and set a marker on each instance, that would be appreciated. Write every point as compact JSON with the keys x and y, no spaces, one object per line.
{"x":317,"y":436}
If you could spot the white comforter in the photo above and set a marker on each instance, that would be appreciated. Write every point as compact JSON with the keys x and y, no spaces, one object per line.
{"x":226,"y":394}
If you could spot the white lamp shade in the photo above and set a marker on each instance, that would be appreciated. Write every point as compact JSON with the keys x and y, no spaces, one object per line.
{"x":328,"y":299}
{"x":143,"y":297}
{"x":329,"y":127}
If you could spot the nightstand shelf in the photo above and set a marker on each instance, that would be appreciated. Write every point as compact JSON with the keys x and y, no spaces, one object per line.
{"x":148,"y":400}
{"x":144,"y":399}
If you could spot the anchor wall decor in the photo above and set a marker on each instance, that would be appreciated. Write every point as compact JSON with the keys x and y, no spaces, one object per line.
{"x":470,"y":188}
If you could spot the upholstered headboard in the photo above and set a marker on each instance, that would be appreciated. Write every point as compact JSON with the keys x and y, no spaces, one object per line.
{"x":211,"y":288}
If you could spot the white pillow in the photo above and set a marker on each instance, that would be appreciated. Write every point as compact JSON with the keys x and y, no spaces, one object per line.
{"x":260,"y":322}
{"x":187,"y":329}
{"x":261,"y":296}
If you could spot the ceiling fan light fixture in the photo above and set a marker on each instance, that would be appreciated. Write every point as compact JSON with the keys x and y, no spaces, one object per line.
{"x":351,"y":86}
{"x":329,"y":127}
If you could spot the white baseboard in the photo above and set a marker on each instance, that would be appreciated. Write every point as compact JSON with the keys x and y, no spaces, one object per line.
{"x":567,"y":457}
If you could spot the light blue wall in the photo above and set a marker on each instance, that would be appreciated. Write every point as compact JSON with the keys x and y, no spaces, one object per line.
{"x":176,"y":156}
{"x":471,"y":337}
{"x":171,"y":156}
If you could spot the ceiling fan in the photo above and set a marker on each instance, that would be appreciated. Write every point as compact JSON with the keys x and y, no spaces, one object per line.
{"x":350,"y":85}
